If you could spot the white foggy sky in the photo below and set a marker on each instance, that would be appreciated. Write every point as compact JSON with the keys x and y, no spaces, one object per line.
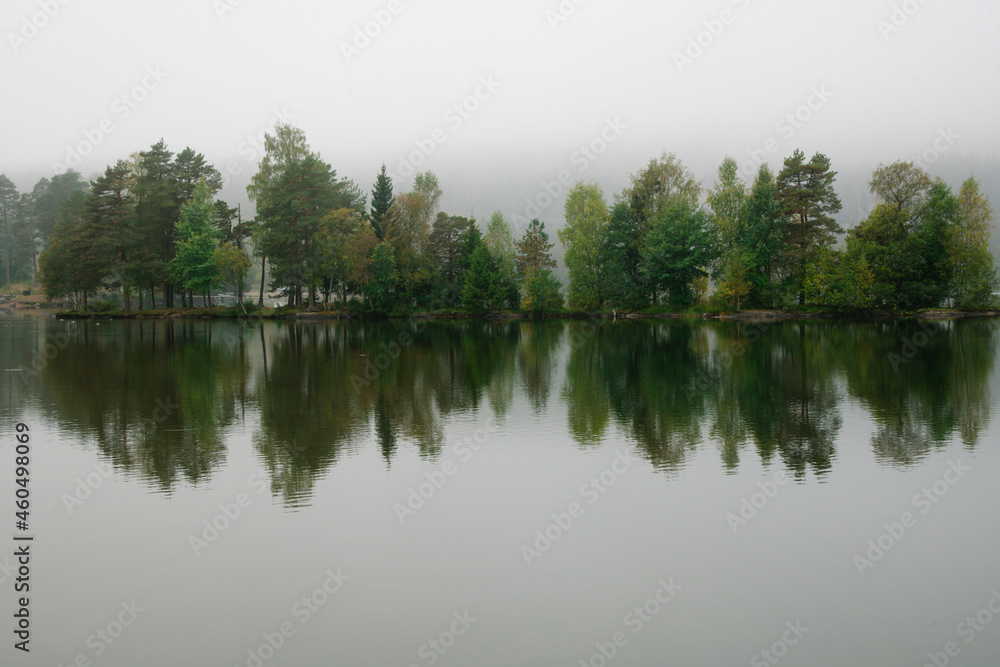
{"x":226,"y":76}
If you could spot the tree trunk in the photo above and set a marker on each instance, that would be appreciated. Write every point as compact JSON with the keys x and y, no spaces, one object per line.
{"x":263,"y":272}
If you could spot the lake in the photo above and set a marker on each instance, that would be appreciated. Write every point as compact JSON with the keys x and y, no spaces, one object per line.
{"x":473,"y":493}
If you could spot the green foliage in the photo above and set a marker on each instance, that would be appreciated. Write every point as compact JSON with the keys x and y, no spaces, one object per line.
{"x":900,"y":184}
{"x":157,"y":209}
{"x":152,"y":221}
{"x":534,"y":249}
{"x":680,"y":245}
{"x":231,"y":265}
{"x":499,"y":240}
{"x":194,"y":267}
{"x":48,"y":197}
{"x":453,"y":239}
{"x":840,"y":280}
{"x":807,"y":199}
{"x":408,"y":229}
{"x":293,"y":213}
{"x":72,"y":263}
{"x":102,"y":307}
{"x":734,"y":277}
{"x":586,"y":222}
{"x":973,"y":268}
{"x":484,"y":290}
{"x":930,"y":246}
{"x":624,"y":284}
{"x":541,"y":291}
{"x":9,"y":199}
{"x":884,"y":239}
{"x":663,"y":182}
{"x":381,"y":287}
{"x":382,"y":201}
{"x":728,"y":202}
{"x":111,"y":222}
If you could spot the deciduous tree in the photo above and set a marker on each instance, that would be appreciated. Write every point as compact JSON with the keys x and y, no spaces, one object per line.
{"x":586,"y":222}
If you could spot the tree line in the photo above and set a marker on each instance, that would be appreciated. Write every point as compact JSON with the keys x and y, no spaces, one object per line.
{"x":153,"y":224}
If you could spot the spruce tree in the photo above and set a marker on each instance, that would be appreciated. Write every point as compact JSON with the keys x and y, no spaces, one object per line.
{"x":382,"y":200}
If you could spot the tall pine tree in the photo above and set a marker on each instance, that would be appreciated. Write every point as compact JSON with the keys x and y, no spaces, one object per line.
{"x":807,"y":199}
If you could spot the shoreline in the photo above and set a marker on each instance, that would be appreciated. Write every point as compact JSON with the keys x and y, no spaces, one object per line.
{"x":328,"y":316}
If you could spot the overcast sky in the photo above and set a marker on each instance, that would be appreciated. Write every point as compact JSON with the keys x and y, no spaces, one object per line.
{"x":864,"y":81}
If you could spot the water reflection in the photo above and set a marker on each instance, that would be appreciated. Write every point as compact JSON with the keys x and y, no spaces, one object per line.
{"x":922,"y":383}
{"x":155,"y":398}
{"x":160,"y":399}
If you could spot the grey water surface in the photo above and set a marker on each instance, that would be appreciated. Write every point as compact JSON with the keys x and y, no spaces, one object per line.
{"x":473,"y":493}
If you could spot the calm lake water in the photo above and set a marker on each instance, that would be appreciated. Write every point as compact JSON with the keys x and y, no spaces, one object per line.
{"x":563,"y":493}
